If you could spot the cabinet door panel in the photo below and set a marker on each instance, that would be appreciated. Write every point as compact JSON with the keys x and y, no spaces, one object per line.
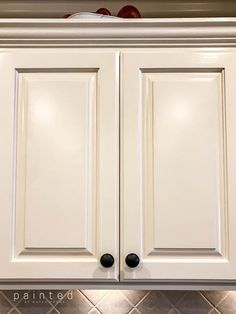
{"x":61,"y":132}
{"x":176,"y":166}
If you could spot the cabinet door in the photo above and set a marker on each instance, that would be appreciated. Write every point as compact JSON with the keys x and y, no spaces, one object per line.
{"x":179,"y":163}
{"x":59,"y":164}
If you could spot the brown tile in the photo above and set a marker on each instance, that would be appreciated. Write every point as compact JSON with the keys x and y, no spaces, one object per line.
{"x":94,"y":296}
{"x":174,"y":296}
{"x":134,"y":296}
{"x":214,"y":311}
{"x":114,"y":303}
{"x":53,"y":311}
{"x":62,"y":296}
{"x":5,"y":306}
{"x":134,"y":311}
{"x":38,"y":296}
{"x":156,"y":303}
{"x":53,"y":296}
{"x":215,"y":297}
{"x":193,"y":303}
{"x":228,"y":305}
{"x":74,"y":303}
{"x":94,"y":311}
{"x":173,"y":311}
{"x":14,"y":311}
{"x":33,"y":306}
{"x":14,"y":296}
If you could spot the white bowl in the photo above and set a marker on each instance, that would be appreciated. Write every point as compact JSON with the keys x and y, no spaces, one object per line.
{"x":90,"y":15}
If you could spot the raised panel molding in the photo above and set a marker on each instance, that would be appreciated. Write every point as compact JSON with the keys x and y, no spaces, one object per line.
{"x":185,"y":207}
{"x":178,"y":162}
{"x":56,"y":107}
{"x":59,"y":200}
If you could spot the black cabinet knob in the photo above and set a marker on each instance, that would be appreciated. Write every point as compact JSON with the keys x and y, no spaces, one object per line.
{"x":132,"y":260}
{"x":107,"y":260}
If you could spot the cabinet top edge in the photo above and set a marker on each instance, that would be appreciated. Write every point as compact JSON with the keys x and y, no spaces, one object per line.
{"x":122,"y":32}
{"x":122,"y":21}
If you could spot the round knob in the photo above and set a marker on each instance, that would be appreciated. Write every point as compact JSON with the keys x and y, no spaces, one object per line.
{"x":107,"y":260}
{"x":132,"y":260}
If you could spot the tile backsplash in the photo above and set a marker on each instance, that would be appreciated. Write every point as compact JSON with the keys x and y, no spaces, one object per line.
{"x":116,"y":302}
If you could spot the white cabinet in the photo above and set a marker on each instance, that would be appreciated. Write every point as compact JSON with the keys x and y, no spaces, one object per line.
{"x":178,"y":163}
{"x":116,"y":151}
{"x":59,"y":164}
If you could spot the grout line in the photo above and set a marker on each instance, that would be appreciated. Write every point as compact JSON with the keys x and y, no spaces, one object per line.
{"x":180,"y":299}
{"x":106,"y":295}
{"x":8,"y":300}
{"x":93,"y":305}
{"x":215,"y":309}
{"x":14,"y":309}
{"x":141,"y":300}
{"x":85,"y":297}
{"x":165,"y":297}
{"x":94,"y":308}
{"x":124,"y":296}
{"x":208,"y":301}
{"x":53,"y":306}
{"x":14,"y":305}
{"x":134,"y":308}
{"x":178,"y":312}
{"x":221,"y":300}
{"x":169,"y":301}
{"x":59,"y":301}
{"x":98,"y":302}
{"x":55,"y":309}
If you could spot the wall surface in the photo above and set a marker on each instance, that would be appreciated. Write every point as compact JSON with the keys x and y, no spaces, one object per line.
{"x":116,"y":302}
{"x":148,"y":8}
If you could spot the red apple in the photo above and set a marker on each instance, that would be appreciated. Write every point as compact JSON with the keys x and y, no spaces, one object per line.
{"x":103,"y":11}
{"x":129,"y":11}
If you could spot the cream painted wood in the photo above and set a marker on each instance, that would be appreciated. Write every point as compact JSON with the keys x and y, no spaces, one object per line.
{"x":59,"y":164}
{"x":178,"y":164}
{"x":142,"y":36}
{"x":56,"y":163}
{"x":181,"y":161}
{"x":118,"y":33}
